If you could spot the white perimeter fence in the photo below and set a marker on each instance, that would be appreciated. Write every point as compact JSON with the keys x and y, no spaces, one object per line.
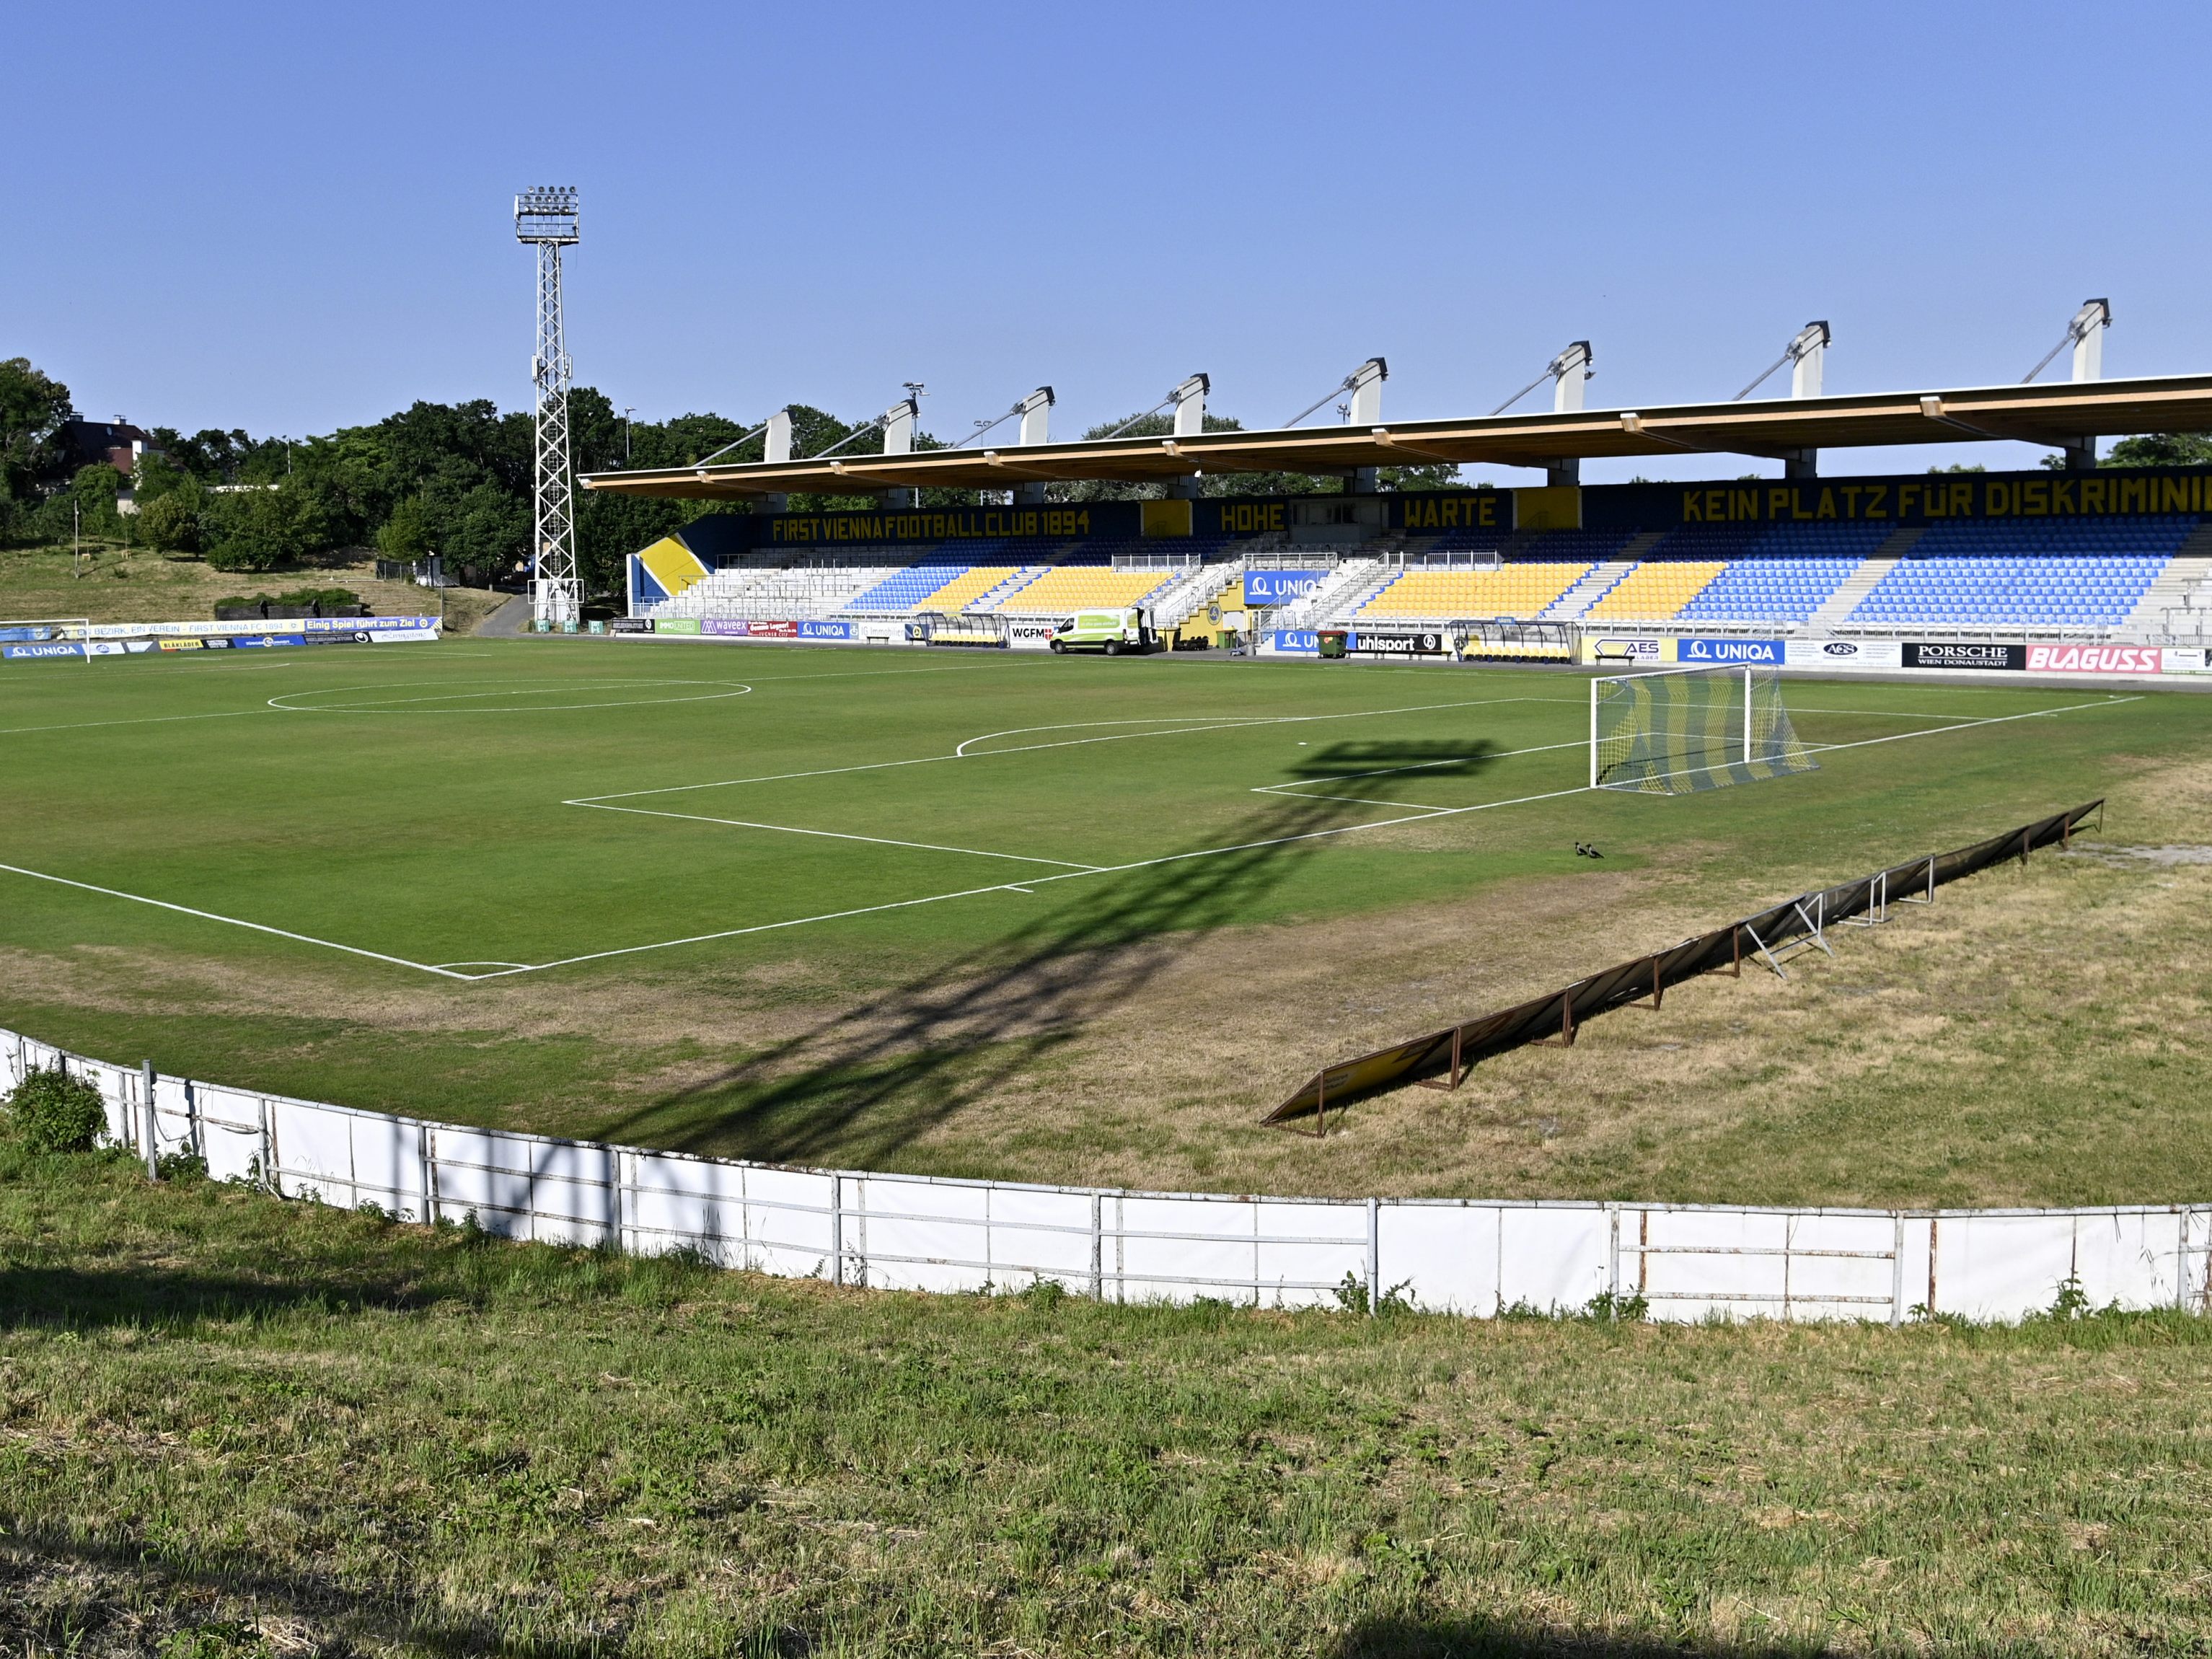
{"x":1475,"y":1257}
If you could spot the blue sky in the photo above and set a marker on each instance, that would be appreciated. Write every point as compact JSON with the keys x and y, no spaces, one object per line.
{"x":293,"y":218}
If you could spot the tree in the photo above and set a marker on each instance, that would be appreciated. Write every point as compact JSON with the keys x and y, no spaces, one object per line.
{"x":33,"y":407}
{"x":260,"y":528}
{"x":93,"y":490}
{"x":171,"y":521}
{"x":2162,"y":449}
{"x":406,"y":534}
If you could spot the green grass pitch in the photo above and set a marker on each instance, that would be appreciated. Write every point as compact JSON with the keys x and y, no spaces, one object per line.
{"x":509,"y":879}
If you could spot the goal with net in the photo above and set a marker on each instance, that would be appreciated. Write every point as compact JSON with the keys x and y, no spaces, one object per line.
{"x":46,"y":636}
{"x":1676,"y":731}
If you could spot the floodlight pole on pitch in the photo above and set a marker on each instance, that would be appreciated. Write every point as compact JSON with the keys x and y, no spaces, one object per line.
{"x":546,"y":218}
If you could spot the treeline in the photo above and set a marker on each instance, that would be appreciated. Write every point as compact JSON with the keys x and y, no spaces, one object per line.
{"x":451,"y":479}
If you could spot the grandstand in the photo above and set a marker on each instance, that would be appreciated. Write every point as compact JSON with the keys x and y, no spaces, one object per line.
{"x":2138,"y":579}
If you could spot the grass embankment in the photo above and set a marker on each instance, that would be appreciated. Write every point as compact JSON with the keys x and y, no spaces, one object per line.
{"x":232,"y":1426}
{"x":112,"y":583}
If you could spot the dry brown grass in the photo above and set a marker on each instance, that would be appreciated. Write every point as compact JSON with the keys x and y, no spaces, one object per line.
{"x":136,"y":585}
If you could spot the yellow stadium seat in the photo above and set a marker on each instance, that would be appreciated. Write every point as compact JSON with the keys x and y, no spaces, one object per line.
{"x":1513,"y":589}
{"x":1083,"y":587}
{"x":965,"y":589}
{"x":1656,"y":592}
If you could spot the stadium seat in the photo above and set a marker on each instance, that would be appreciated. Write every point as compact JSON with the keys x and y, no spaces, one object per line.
{"x":1070,"y":587}
{"x":2046,"y":573}
{"x":1511,"y":589}
{"x":1653,"y":590}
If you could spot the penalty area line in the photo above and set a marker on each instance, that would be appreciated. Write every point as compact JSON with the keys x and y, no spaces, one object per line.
{"x":1965,"y":726}
{"x":234,"y":921}
{"x":832,"y":835}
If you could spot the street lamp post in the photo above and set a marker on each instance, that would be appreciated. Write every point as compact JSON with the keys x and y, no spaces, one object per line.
{"x":627,"y":413}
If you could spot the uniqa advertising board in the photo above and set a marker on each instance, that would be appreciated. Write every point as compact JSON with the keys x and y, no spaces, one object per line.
{"x":1280,"y":587}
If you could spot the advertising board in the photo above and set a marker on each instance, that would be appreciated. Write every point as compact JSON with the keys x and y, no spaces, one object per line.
{"x":1291,"y":642}
{"x":1397,"y":642}
{"x":1739,"y":653}
{"x":54,"y":649}
{"x":825,"y":630}
{"x":1860,"y":654}
{"x":1627,"y":650}
{"x":2096,"y":659}
{"x":638,"y":625}
{"x":1032,"y":635}
{"x":728,"y":628}
{"x":771,"y":630}
{"x":2187,"y":660}
{"x":675,"y":625}
{"x":265,"y":641}
{"x":1280,"y":587}
{"x":1963,"y":654}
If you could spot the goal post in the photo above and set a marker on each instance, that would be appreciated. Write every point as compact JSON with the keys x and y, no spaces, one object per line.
{"x":1674,"y":731}
{"x":46,"y":636}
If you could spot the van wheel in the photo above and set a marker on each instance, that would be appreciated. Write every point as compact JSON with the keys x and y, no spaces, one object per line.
{"x":1113,"y":647}
{"x":1057,"y":647}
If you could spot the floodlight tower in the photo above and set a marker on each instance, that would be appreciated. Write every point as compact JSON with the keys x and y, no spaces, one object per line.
{"x":546,"y":217}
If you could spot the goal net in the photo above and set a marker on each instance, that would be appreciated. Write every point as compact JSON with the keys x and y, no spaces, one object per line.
{"x":1681,"y":730}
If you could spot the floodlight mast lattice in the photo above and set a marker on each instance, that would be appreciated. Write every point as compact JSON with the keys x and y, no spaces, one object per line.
{"x":546,"y":217}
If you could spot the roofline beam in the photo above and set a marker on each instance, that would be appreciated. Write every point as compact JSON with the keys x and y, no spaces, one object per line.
{"x":2051,"y":416}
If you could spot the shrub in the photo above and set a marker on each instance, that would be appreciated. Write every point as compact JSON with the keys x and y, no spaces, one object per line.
{"x":330,"y":599}
{"x":57,"y":1113}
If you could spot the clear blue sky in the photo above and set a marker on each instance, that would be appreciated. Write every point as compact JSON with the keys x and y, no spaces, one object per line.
{"x":291,"y":218}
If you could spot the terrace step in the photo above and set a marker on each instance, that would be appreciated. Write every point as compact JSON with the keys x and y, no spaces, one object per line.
{"x":2181,"y":584}
{"x":1576,"y":600}
{"x":1862,"y":580}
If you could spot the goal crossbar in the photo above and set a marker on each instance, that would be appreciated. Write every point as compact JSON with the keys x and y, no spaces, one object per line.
{"x":1674,"y":731}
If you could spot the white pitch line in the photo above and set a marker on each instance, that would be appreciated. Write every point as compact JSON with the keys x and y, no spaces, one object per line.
{"x":1028,"y":748}
{"x":1033,"y":881}
{"x":833,"y":835}
{"x":149,"y":719}
{"x":210,"y":916}
{"x":1417,"y":766}
{"x":1962,"y":726}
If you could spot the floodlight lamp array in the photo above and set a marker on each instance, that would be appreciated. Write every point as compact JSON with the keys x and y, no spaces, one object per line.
{"x":548,"y":213}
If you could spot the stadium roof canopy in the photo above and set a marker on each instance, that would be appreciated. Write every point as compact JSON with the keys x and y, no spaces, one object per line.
{"x":2053,"y":415}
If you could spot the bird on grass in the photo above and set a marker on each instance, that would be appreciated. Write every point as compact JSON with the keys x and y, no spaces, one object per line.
{"x":1584,"y":850}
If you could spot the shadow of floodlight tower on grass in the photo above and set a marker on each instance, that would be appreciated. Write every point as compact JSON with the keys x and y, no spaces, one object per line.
{"x":859,"y":1085}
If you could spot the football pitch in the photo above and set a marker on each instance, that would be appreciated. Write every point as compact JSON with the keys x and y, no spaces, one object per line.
{"x":648,"y":888}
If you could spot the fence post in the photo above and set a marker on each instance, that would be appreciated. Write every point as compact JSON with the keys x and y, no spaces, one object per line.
{"x":1374,"y":1256}
{"x":153,"y":1140}
{"x":1897,"y":1274}
{"x":1097,"y":1248}
{"x":836,"y":1230}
